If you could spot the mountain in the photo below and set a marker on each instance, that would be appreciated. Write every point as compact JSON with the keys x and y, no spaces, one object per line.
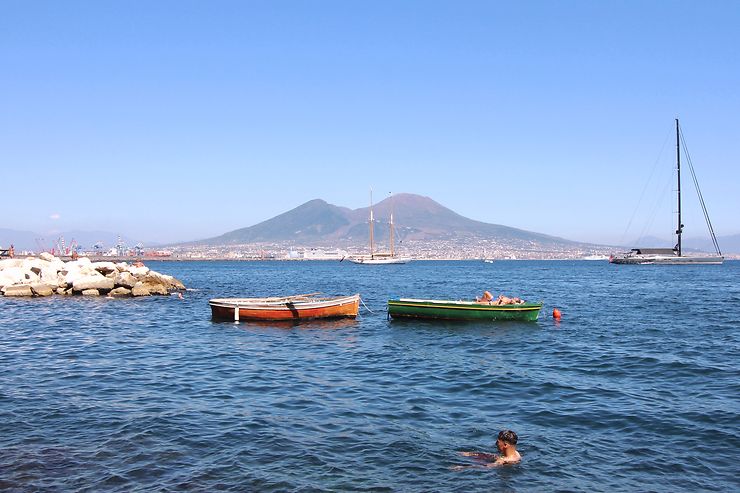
{"x":415,"y":218}
{"x":21,"y":240}
{"x":728,"y":244}
{"x":314,"y":220}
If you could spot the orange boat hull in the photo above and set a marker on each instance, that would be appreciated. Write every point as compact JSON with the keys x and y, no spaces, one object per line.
{"x":234,"y":309}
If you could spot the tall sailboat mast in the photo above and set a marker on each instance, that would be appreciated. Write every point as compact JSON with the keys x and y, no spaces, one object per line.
{"x":391,"y":240}
{"x":381,"y":256}
{"x":679,"y":229}
{"x":391,"y":227}
{"x":675,"y":255}
{"x":372,"y":242}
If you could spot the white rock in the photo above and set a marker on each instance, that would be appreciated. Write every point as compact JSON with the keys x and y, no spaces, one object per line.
{"x":79,"y":263}
{"x":43,"y":263}
{"x":157,"y":289}
{"x":11,"y":276}
{"x":93,"y":281}
{"x":74,"y":271}
{"x":140,"y":290}
{"x":104,"y":267}
{"x":24,"y":290}
{"x":138,"y":271}
{"x":67,"y":278}
{"x":41,"y":289}
{"x":47,"y":274}
{"x":125,"y":279}
{"x":10,"y":263}
{"x":17,"y":275}
{"x":50,"y":276}
{"x":57,"y":264}
{"x":38,"y":263}
{"x":120,"y":292}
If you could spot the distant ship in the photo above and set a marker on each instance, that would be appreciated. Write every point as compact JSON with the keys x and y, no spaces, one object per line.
{"x":673,"y":256}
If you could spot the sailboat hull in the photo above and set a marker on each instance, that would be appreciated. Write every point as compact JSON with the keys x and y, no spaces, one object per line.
{"x":380,"y":261}
{"x":638,"y":259}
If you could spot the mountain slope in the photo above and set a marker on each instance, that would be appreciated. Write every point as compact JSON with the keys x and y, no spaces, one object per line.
{"x":21,"y":240}
{"x":728,"y":244}
{"x":415,"y":218}
{"x":313,"y":220}
{"x":423,"y":218}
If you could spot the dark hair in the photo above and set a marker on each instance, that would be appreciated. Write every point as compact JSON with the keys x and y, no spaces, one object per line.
{"x":508,"y":436}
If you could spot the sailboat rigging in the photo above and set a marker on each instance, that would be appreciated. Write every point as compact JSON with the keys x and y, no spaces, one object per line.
{"x":378,"y":258}
{"x":675,"y":255}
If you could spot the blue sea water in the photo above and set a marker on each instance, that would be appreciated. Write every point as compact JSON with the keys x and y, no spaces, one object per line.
{"x":637,"y":388}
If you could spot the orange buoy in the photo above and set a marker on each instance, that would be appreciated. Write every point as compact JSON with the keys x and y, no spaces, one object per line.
{"x":556,"y":314}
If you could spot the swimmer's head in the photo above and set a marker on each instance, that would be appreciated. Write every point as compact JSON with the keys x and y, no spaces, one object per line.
{"x":507,"y":437}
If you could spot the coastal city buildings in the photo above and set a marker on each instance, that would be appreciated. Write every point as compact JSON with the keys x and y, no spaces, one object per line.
{"x":421,"y":250}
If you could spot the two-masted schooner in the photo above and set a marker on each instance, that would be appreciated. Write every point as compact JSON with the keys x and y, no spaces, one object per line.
{"x":380,"y":258}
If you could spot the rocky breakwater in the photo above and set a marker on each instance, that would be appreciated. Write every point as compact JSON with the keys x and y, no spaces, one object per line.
{"x":47,"y":275}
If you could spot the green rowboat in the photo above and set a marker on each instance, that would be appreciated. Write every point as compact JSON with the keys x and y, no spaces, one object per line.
{"x":462,"y":310}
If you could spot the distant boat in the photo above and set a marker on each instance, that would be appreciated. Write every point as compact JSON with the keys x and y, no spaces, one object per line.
{"x":488,"y":260}
{"x":675,"y":255}
{"x":297,"y":307}
{"x":376,"y":258}
{"x":318,"y":254}
{"x":595,"y":257}
{"x":461,"y":310}
{"x":380,"y":259}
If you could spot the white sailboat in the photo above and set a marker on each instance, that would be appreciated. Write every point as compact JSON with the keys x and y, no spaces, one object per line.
{"x":675,"y":255}
{"x":380,"y":258}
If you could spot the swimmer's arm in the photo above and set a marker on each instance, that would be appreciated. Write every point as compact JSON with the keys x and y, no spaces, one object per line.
{"x":497,"y":461}
{"x":477,"y":466}
{"x":502,"y":461}
{"x":479,"y":455}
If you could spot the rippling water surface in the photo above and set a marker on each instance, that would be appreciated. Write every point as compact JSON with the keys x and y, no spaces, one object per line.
{"x":636,"y":389}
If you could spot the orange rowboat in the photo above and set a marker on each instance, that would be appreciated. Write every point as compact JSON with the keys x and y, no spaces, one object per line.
{"x":299,"y":307}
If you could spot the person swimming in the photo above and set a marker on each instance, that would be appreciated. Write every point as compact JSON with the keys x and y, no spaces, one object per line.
{"x":506,"y":445}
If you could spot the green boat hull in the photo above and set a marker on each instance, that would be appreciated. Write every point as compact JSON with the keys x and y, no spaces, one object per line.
{"x":462,"y":310}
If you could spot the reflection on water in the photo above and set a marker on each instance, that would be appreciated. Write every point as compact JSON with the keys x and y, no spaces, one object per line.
{"x":326,"y":323}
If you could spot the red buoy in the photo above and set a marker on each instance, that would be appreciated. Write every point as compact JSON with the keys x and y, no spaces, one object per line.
{"x":556,"y":314}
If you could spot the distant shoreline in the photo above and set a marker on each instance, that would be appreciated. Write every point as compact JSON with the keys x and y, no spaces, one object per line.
{"x":102,"y":258}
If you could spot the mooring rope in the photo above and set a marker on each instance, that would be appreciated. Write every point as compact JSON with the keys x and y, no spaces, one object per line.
{"x":363,"y":304}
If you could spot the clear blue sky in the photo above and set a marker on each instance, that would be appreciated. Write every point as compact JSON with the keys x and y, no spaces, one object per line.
{"x":186,"y":119}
